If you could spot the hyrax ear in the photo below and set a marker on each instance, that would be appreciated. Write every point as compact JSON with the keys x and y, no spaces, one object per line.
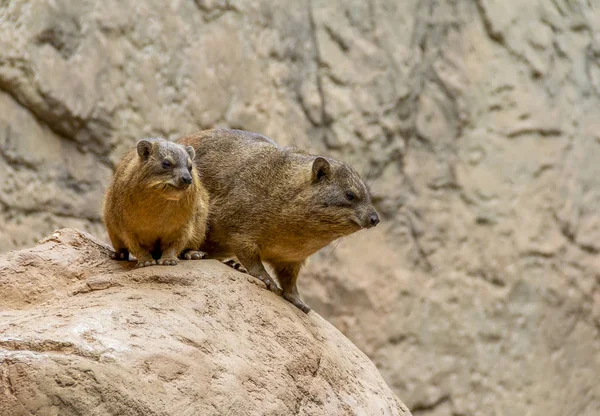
{"x":191,"y":152}
{"x":320,"y":168}
{"x":144,"y":149}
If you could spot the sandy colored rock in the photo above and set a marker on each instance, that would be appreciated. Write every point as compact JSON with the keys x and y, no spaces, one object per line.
{"x":84,"y":335}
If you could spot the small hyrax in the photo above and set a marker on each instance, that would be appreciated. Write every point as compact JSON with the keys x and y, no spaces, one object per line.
{"x":156,"y":206}
{"x":274,"y":204}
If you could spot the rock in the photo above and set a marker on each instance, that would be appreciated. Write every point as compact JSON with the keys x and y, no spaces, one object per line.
{"x":197,"y":338}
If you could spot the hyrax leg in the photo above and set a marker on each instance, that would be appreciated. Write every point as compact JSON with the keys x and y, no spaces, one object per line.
{"x":169,"y":254}
{"x":251,"y":261}
{"x":143,"y":256}
{"x":121,"y":252}
{"x":287,"y":274}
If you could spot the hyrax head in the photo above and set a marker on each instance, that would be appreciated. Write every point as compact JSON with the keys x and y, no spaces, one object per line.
{"x":339,"y":197}
{"x":167,"y":164}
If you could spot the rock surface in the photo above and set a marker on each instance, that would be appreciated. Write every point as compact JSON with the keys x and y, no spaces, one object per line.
{"x":477,"y":122}
{"x":84,"y":335}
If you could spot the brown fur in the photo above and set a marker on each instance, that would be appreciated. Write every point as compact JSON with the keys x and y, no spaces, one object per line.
{"x":149,"y":209}
{"x":274,"y":204}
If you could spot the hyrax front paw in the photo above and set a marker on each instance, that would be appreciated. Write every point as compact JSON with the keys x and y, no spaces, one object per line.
{"x":145,"y":263}
{"x":167,"y":261}
{"x":294,"y":299}
{"x":194,"y":255}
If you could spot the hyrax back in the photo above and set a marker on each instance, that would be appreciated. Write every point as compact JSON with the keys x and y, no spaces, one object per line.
{"x":274,"y":204}
{"x":156,"y":207}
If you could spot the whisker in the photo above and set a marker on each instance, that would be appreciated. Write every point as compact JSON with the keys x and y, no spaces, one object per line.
{"x":294,"y":141}
{"x":334,"y":246}
{"x":371,"y":185}
{"x":369,"y":172}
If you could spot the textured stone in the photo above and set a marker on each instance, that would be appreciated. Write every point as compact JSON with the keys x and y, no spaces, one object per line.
{"x":475,"y":121}
{"x":191,"y":339}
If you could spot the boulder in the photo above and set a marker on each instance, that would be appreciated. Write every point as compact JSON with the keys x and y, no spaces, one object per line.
{"x":81,"y":334}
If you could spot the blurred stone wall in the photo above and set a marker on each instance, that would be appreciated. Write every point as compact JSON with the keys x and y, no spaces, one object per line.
{"x":476,"y":121}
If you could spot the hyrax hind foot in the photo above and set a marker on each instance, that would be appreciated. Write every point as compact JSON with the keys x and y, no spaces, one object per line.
{"x":236,"y":265}
{"x":193,"y":255}
{"x":294,"y":299}
{"x":122,"y":254}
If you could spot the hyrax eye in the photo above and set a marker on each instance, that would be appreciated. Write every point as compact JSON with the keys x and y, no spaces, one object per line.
{"x":350,"y":196}
{"x":166,"y":164}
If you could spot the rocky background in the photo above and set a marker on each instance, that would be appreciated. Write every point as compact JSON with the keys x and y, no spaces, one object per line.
{"x":476,"y":121}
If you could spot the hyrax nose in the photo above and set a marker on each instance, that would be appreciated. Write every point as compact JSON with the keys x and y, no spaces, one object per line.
{"x":186,"y":178}
{"x":374,"y":219}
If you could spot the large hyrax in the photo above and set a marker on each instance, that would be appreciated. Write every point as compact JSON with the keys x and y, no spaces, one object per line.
{"x":275,"y":205}
{"x":156,"y":206}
